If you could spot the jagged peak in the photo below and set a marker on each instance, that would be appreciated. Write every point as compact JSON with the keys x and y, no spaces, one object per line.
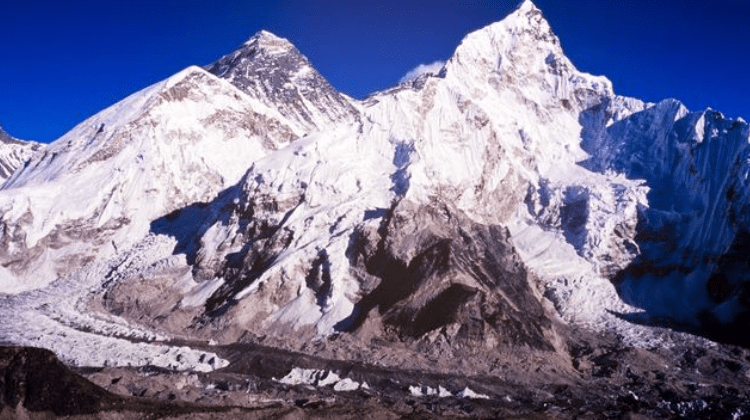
{"x":524,"y":30}
{"x":270,"y":43}
{"x":526,"y":16}
{"x":523,"y":47}
{"x":527,"y":6}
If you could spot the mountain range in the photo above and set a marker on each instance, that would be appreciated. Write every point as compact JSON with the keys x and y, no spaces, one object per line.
{"x":506,"y":234}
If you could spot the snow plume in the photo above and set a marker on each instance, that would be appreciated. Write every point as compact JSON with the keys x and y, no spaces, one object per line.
{"x":432,"y":68}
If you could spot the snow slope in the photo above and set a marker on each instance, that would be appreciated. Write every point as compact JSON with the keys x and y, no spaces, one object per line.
{"x":97,"y":188}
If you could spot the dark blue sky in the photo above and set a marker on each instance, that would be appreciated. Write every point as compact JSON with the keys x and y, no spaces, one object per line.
{"x":64,"y":61}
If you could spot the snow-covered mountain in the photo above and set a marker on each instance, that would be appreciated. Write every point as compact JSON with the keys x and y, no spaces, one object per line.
{"x":465,"y":215}
{"x":96,"y":189}
{"x":271,"y":70}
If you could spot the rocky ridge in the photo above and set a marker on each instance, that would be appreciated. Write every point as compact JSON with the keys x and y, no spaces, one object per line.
{"x":14,"y":153}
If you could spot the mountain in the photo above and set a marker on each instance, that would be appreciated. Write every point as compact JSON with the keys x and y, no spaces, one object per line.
{"x":508,"y":230}
{"x":14,"y":153}
{"x":97,"y":188}
{"x":271,"y":70}
{"x":315,"y":238}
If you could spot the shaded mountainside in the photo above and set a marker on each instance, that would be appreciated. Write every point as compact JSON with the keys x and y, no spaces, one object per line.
{"x":36,"y":381}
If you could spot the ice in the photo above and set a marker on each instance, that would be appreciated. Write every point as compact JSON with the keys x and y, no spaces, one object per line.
{"x":468,"y":393}
{"x":320,"y":378}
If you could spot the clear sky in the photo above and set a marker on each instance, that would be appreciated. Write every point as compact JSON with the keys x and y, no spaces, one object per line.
{"x":63,"y":61}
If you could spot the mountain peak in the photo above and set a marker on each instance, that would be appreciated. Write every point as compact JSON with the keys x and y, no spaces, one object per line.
{"x":527,"y":6}
{"x":522,"y":37}
{"x":527,"y":15}
{"x":270,"y":69}
{"x":269,"y":43}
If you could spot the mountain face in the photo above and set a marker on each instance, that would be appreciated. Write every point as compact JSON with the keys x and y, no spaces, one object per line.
{"x":508,"y":215}
{"x":13,"y":153}
{"x":96,"y":189}
{"x":271,"y":70}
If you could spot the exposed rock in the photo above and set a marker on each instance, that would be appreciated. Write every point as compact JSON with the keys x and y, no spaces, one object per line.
{"x":272,"y":70}
{"x":34,"y":380}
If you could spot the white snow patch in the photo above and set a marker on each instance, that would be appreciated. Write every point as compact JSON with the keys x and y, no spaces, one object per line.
{"x":421,"y":391}
{"x":328,"y":378}
{"x":468,"y":393}
{"x":346,"y":384}
{"x":320,"y":378}
{"x":201,"y":293}
{"x":427,"y":391}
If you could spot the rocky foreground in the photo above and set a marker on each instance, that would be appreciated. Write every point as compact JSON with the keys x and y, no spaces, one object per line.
{"x":610,"y":380}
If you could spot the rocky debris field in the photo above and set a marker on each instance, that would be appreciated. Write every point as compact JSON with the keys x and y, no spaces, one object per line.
{"x":606,"y":379}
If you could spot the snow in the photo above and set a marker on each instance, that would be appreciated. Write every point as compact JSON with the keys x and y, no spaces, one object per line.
{"x":201,"y":293}
{"x":320,"y":378}
{"x":426,"y":391}
{"x":55,"y":319}
{"x":421,"y":391}
{"x":468,"y":393}
{"x":171,"y":144}
{"x":421,"y":70}
{"x":271,"y":43}
{"x":346,"y":384}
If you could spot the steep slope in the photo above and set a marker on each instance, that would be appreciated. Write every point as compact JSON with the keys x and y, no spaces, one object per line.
{"x":693,"y":235}
{"x":290,"y":257}
{"x":14,"y":153}
{"x":98,"y":187}
{"x":271,"y":70}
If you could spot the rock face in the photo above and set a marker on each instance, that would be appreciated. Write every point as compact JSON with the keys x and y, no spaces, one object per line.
{"x":472,"y":222}
{"x":695,"y":226}
{"x":271,"y":70}
{"x":34,"y":380}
